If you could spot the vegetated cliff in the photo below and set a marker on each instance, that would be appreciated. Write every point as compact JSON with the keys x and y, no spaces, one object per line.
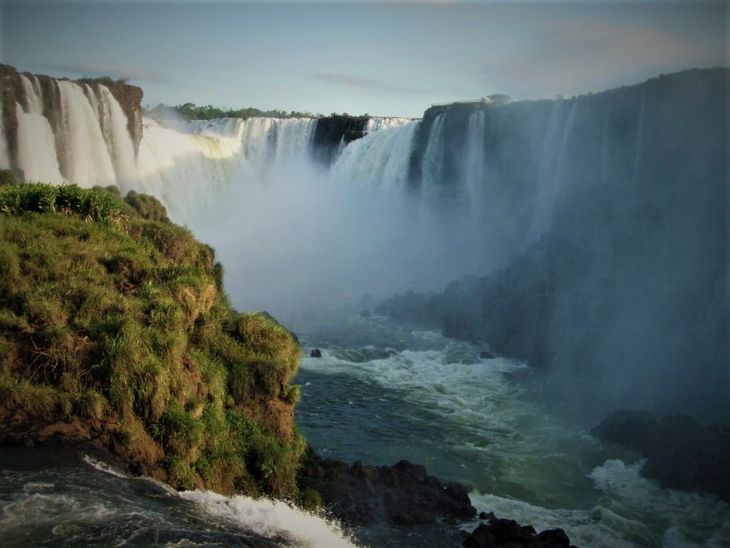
{"x":12,"y":92}
{"x":334,"y":130}
{"x":623,"y":295}
{"x":115,"y":330}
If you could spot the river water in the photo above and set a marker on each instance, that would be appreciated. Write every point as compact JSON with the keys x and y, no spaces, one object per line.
{"x":383,"y":392}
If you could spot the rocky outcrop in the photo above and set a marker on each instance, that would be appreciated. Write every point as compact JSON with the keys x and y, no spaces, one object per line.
{"x":402,"y":494}
{"x":507,"y":533}
{"x":336,"y":130}
{"x":114,"y":330}
{"x":680,"y":453}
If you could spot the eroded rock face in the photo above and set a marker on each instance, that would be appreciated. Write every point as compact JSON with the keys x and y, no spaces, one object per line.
{"x":402,"y":494}
{"x":680,"y":453}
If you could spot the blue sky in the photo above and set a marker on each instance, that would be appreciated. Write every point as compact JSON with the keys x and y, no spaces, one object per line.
{"x":383,"y":58}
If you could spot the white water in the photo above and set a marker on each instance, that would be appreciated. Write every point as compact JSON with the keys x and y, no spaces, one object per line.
{"x":4,"y":155}
{"x":268,"y":518}
{"x":551,"y":167}
{"x":376,"y":123}
{"x":118,"y":139}
{"x":36,"y":143}
{"x":484,"y":429}
{"x":86,"y":158}
{"x":272,"y":519}
{"x":380,"y":157}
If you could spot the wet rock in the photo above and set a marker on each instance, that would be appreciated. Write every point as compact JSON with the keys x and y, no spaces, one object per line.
{"x":486,"y":355}
{"x":507,"y":533}
{"x":634,"y":429}
{"x":402,"y":494}
{"x":315,"y":353}
{"x":680,"y":453}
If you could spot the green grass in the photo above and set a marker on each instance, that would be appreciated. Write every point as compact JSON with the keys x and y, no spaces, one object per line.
{"x":112,"y":317}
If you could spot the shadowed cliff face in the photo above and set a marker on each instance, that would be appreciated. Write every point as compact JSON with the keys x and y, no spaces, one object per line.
{"x":622,"y":293}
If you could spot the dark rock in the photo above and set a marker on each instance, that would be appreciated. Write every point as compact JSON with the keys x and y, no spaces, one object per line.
{"x":486,"y":355}
{"x":634,"y":429}
{"x":680,"y":453}
{"x":507,"y":533}
{"x":402,"y":494}
{"x":487,"y":515}
{"x":315,"y":353}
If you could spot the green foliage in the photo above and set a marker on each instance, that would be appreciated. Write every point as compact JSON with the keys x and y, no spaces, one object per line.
{"x":44,"y":198}
{"x":7,"y":177}
{"x":148,"y":207}
{"x":190,"y":111}
{"x":114,"y":318}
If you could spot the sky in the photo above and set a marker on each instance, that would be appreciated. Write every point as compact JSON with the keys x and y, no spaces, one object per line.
{"x":381,"y":58}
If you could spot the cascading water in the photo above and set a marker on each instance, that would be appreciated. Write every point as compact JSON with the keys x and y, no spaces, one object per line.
{"x":119,"y":142}
{"x":36,"y":144}
{"x":381,"y":157}
{"x":86,"y":158}
{"x":550,"y":167}
{"x":376,"y":123}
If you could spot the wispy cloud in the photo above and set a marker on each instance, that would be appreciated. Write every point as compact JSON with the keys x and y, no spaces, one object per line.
{"x":360,"y":82}
{"x":115,"y":71}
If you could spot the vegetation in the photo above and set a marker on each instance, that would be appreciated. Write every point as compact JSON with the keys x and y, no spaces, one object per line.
{"x":114,"y":328}
{"x":190,"y":111}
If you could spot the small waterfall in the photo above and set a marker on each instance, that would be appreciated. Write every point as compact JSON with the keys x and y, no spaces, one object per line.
{"x":4,"y":155}
{"x":376,"y":123}
{"x":474,"y":155}
{"x":550,"y":168}
{"x":433,"y":158}
{"x":36,"y":143}
{"x":36,"y":148}
{"x":381,"y":157}
{"x":119,"y":142}
{"x":87,"y":160}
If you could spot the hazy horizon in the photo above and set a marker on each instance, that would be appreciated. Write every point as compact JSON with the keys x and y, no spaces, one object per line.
{"x":377,"y":58}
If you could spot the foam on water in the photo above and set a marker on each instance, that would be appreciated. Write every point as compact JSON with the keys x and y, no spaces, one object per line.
{"x":532,"y":466}
{"x":272,"y":519}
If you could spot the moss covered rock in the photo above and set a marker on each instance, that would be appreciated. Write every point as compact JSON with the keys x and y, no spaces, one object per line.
{"x":114,"y":330}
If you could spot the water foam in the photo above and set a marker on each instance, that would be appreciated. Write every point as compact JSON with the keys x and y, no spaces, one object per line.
{"x":272,"y":519}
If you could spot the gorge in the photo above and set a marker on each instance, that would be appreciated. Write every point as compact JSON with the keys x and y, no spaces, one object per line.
{"x":585,"y":237}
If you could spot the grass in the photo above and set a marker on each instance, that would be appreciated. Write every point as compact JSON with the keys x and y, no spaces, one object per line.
{"x":114,"y":318}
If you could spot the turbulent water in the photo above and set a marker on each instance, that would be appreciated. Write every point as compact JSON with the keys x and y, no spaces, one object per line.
{"x":413,"y":204}
{"x":68,"y":498}
{"x":382,"y":391}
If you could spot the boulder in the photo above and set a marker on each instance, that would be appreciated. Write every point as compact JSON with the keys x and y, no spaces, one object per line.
{"x":315,"y":353}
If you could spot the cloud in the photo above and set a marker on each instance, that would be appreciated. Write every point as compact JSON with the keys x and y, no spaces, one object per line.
{"x":365,"y":83}
{"x":115,"y":71}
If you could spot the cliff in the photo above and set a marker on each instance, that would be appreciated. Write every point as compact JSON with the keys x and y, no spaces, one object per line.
{"x":334,"y":130}
{"x":619,"y":288}
{"x":12,"y":91}
{"x":115,"y":330}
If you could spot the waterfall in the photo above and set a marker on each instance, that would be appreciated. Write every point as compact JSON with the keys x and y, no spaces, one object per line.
{"x":36,"y":143}
{"x":119,"y":142}
{"x":4,"y":155}
{"x":433,"y":158}
{"x":376,"y":123}
{"x":380,"y":157}
{"x":87,"y":161}
{"x":550,"y":167}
